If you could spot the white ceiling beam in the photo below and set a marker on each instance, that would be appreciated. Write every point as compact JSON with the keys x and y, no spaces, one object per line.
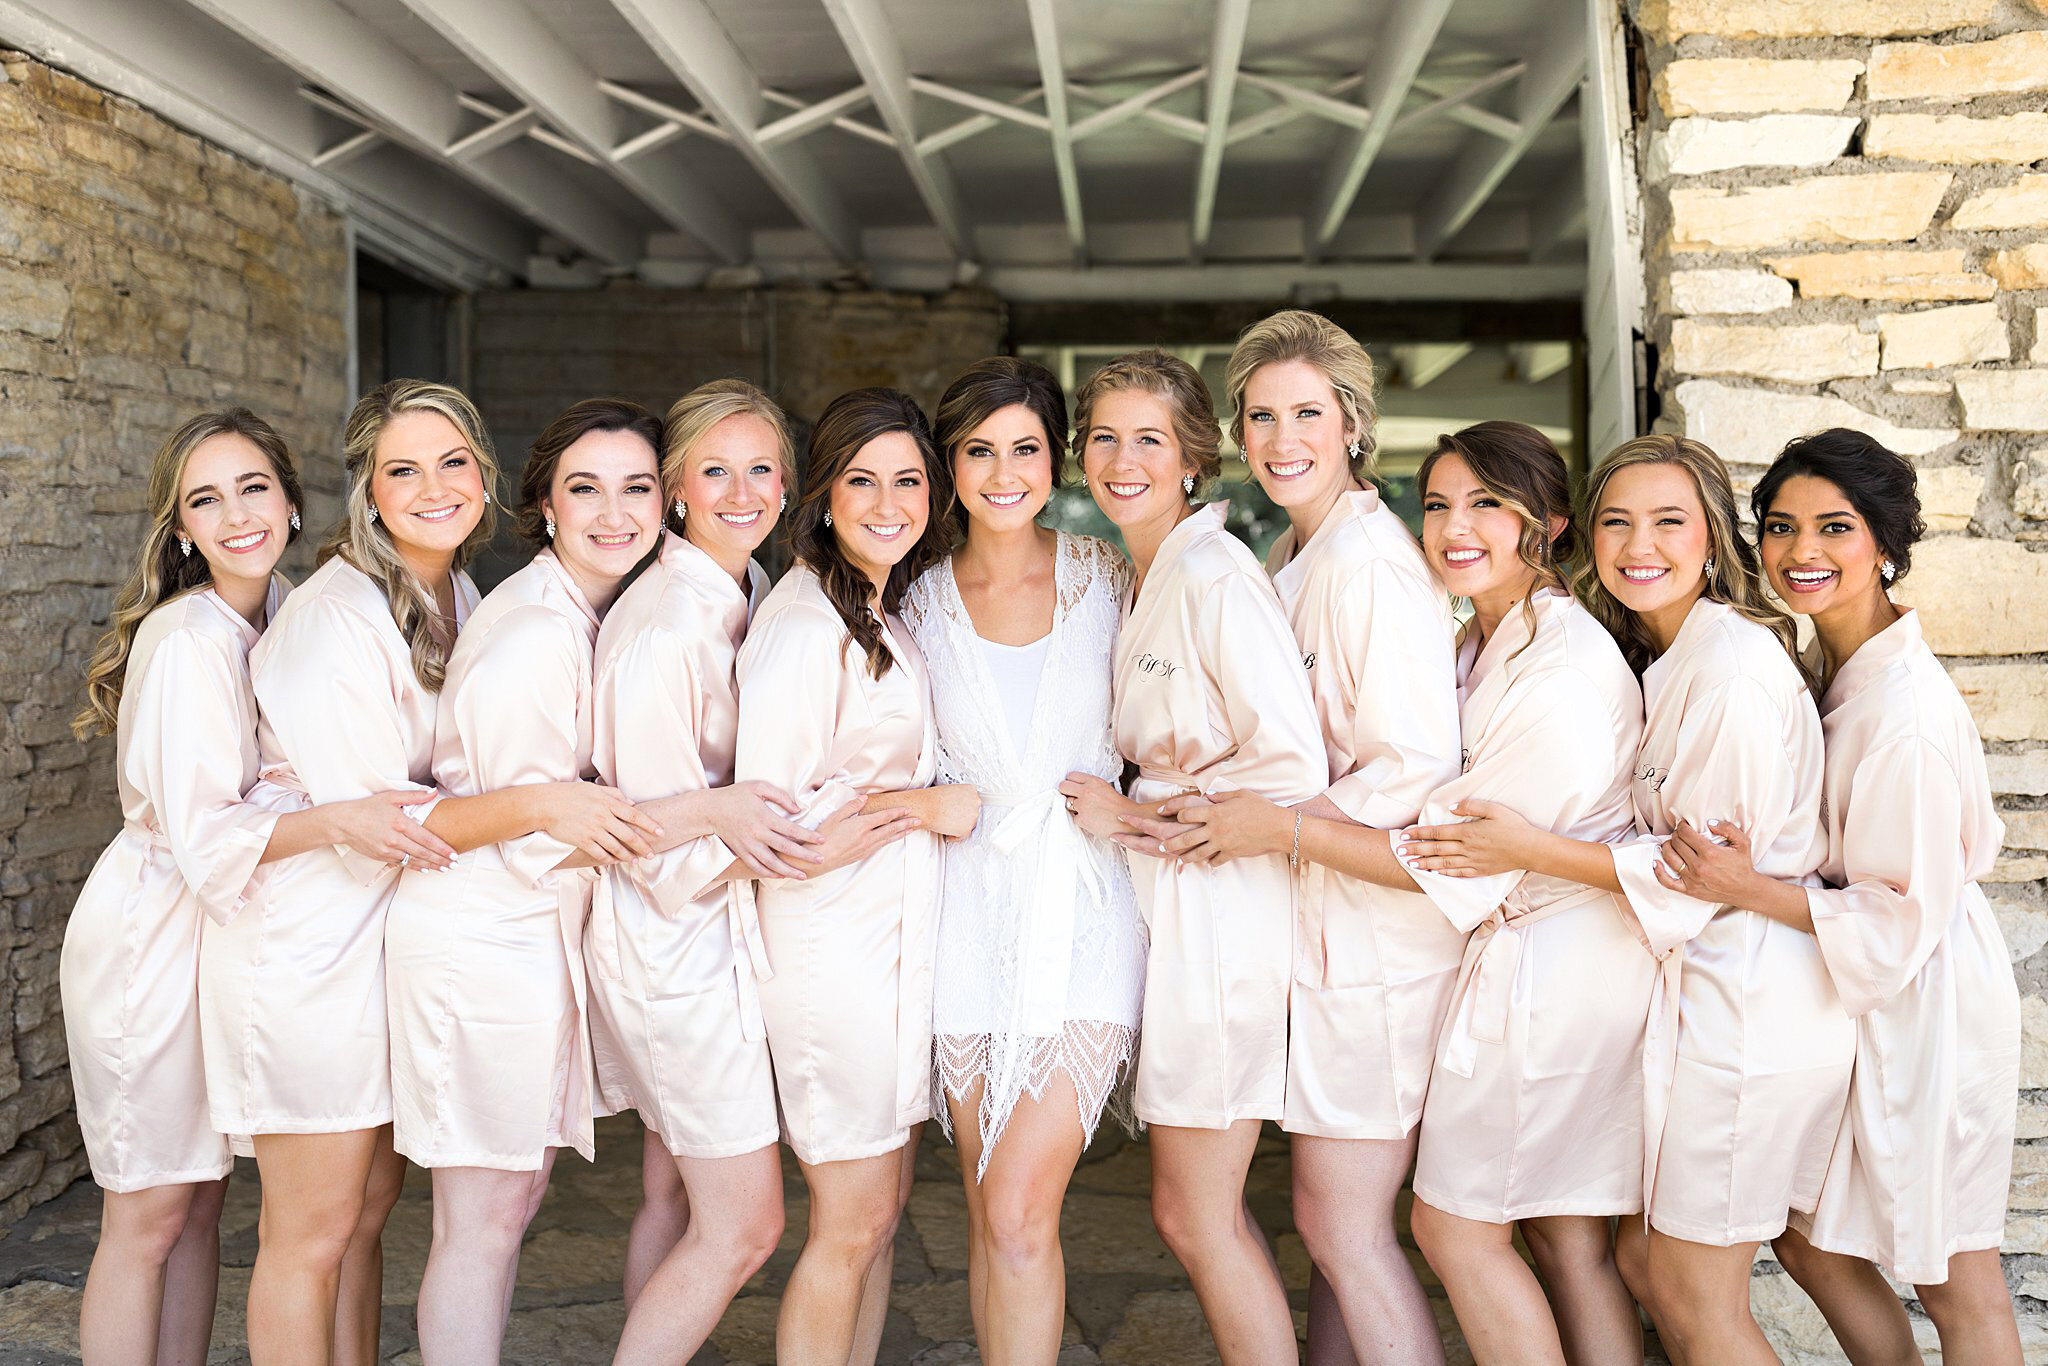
{"x":967,"y":99}
{"x":1219,"y":281}
{"x":810,"y":117}
{"x":1309,"y":101}
{"x":1421,"y":362}
{"x":1405,"y":37}
{"x":1180,"y":125}
{"x":1454,"y":102}
{"x":870,"y":40}
{"x":692,"y":44}
{"x":1554,"y":72}
{"x":411,"y":105}
{"x":1131,"y":106}
{"x":1052,"y":73}
{"x":534,"y":128}
{"x":348,"y":149}
{"x":1280,"y":115}
{"x":966,"y":128}
{"x":842,"y":122}
{"x":1226,"y":48}
{"x":683,"y":119}
{"x":503,"y":128}
{"x":518,"y":51}
{"x":1535,"y":362}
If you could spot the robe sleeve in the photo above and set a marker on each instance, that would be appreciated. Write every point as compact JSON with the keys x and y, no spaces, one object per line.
{"x":330,"y":700}
{"x":1902,"y":851}
{"x":1255,"y":665}
{"x":1404,"y":724}
{"x":1535,"y":757}
{"x":190,"y":762}
{"x":514,"y":717}
{"x":791,"y":680}
{"x":1729,"y":765}
{"x":657,"y":709}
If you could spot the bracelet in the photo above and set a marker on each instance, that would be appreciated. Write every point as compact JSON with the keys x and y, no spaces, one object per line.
{"x":1294,"y":855}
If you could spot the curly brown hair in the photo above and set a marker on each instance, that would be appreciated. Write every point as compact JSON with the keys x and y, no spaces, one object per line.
{"x":577,"y":421}
{"x":1176,"y":383}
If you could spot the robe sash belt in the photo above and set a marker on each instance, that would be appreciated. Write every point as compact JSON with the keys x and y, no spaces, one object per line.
{"x":1062,"y":864}
{"x":1486,"y":977}
{"x":1660,"y":1064}
{"x":583,"y":904}
{"x":749,"y":956}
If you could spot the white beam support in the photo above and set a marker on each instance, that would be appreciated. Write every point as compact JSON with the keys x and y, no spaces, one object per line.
{"x":967,"y":99}
{"x":1131,"y":106}
{"x":870,"y":40}
{"x":411,"y":105}
{"x":1180,"y":125}
{"x":1454,"y":102}
{"x":1052,"y":72}
{"x":520,"y":53}
{"x":1280,"y":115}
{"x":531,"y":127}
{"x":810,"y":117}
{"x":1421,"y":362}
{"x":1535,"y":362}
{"x":690,"y":42}
{"x":1226,"y":48}
{"x":1553,"y":74}
{"x":1378,"y":281}
{"x":1404,"y":40}
{"x":348,"y":149}
{"x":502,"y":129}
{"x":683,"y":120}
{"x":1310,"y":101}
{"x":961,"y":131}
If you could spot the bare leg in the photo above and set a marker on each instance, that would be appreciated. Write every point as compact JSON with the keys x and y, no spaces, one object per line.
{"x":1972,"y":1311}
{"x":192,"y":1281}
{"x":313,"y":1186}
{"x":1344,"y":1194}
{"x":1497,"y":1298}
{"x":966,"y":1113}
{"x":661,"y":1220}
{"x":1702,"y":1303}
{"x":1862,"y":1309}
{"x":1198,"y":1204}
{"x":122,"y":1312}
{"x":1596,"y":1320}
{"x":1021,"y":1196}
{"x":359,"y":1313}
{"x":854,"y":1207}
{"x":1329,"y":1342}
{"x":874,"y":1291}
{"x":480,"y":1216}
{"x":735,"y":1222}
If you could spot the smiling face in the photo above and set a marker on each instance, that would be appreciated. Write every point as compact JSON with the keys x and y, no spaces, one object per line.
{"x":605,"y":497}
{"x":1819,"y":552}
{"x":732,"y":486}
{"x":881,"y":504}
{"x":1002,"y":470}
{"x":1471,"y":539}
{"x":1296,"y":436}
{"x":233,"y":508}
{"x":427,"y":487}
{"x":1133,"y":460}
{"x":1651,"y":539}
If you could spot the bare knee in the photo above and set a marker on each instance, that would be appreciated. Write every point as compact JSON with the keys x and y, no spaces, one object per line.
{"x":1448,"y":1242}
{"x":1191,"y":1223}
{"x":1632,"y":1260}
{"x":857,"y":1236}
{"x":1575,"y":1246}
{"x":315,"y":1228}
{"x":147,"y":1224}
{"x":1021,"y":1232}
{"x":1971,"y":1295}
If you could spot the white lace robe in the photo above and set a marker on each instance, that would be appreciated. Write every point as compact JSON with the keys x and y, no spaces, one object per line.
{"x":1041,"y":958}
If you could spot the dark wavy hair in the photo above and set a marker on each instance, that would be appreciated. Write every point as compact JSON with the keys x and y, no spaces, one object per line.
{"x":1878,"y":482}
{"x":1518,"y":465}
{"x":577,"y":421}
{"x":847,"y":425}
{"x":987,"y":387}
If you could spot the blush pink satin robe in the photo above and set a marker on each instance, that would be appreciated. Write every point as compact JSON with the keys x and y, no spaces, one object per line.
{"x":677,"y":1031}
{"x":1210,"y":696}
{"x":490,"y":1052}
{"x":1920,"y":1171}
{"x":1374,"y":966}
{"x":291,"y":991}
{"x":1536,"y":1104}
{"x":1746,"y":1067}
{"x":848,"y":998}
{"x":185,"y":753}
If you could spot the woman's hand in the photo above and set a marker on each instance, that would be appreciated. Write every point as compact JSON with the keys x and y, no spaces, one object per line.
{"x":853,"y":832}
{"x":1096,"y":806}
{"x":958,"y":810}
{"x":378,"y":827}
{"x":752,"y":820}
{"x":598,"y":820}
{"x":1216,"y":829}
{"x":1722,"y":871}
{"x":1494,"y":840}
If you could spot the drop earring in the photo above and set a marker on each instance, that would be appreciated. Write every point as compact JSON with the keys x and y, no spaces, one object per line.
{"x":487,"y":497}
{"x":550,"y":519}
{"x":297,"y":525}
{"x":1708,"y":568}
{"x":682,"y":509}
{"x":185,"y":546}
{"x":1187,"y":485}
{"x":1889,"y":570}
{"x":783,"y":506}
{"x":373,"y":512}
{"x":1354,"y":448}
{"x":828,"y":517}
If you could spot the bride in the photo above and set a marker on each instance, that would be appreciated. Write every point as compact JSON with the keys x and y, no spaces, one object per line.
{"x":1041,"y":957}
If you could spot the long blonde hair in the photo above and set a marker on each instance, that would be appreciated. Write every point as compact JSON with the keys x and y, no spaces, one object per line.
{"x":1737,"y":579}
{"x":365,"y":542}
{"x":163,"y":571}
{"x":1296,"y":334}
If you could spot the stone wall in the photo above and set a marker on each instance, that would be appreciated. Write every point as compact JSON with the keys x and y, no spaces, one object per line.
{"x":144,"y":275}
{"x":1844,"y":222}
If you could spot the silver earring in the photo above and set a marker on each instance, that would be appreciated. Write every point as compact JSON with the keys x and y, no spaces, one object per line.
{"x":1245,"y":456}
{"x":1187,"y":485}
{"x":551,"y":525}
{"x":1708,"y":567}
{"x":185,"y":547}
{"x":487,"y":497}
{"x":297,"y":525}
{"x":681,"y":509}
{"x":1354,"y":448}
{"x":783,"y":506}
{"x":828,"y":517}
{"x":1889,"y":570}
{"x":373,"y":512}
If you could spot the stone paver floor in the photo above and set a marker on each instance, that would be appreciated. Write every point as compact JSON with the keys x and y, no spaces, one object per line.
{"x":1127,"y":1302}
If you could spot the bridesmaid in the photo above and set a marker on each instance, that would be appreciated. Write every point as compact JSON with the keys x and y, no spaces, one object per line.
{"x":170,"y":680}
{"x":1209,"y":696}
{"x":291,"y":991}
{"x":1918,"y":1179}
{"x":490,"y":1046}
{"x":1748,"y":1058}
{"x":1041,"y":956}
{"x":675,"y":1021}
{"x":1375,"y":965}
{"x":835,"y":708}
